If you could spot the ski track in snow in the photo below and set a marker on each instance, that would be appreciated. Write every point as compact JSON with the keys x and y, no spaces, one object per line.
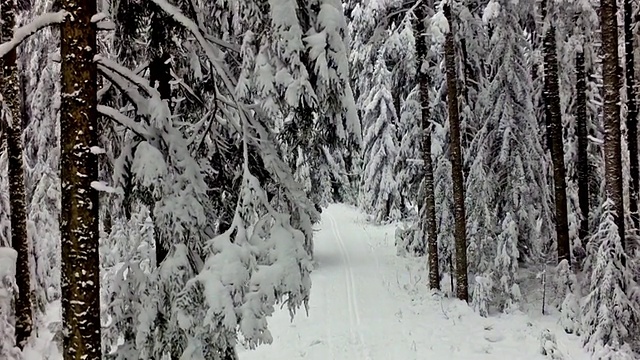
{"x":351,"y":287}
{"x":369,"y":304}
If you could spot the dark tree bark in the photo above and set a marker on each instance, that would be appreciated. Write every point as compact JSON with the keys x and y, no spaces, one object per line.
{"x":429,"y":219}
{"x":551,"y":94}
{"x":79,"y":168}
{"x":611,"y":110}
{"x":460,"y":232}
{"x":583,"y":143}
{"x":17,"y":203}
{"x":632,"y":115}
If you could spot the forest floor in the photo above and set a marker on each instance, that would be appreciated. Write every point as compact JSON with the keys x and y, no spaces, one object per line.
{"x":368,"y":303}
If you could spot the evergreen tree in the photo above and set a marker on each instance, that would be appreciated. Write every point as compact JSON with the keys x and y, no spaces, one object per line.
{"x":11,"y":96}
{"x":79,"y":172}
{"x":380,"y":188}
{"x":610,"y":314}
{"x":429,"y":213}
{"x":632,"y":113}
{"x":611,"y":111}
{"x":456,"y":160}
{"x":553,"y":115}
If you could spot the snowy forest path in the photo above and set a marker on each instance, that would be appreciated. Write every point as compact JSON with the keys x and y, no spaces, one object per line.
{"x":351,"y":309}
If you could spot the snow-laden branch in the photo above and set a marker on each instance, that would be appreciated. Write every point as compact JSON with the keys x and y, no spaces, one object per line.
{"x":127,"y":74}
{"x":101,"y":92}
{"x":223,"y":72}
{"x":260,"y":136}
{"x":138,"y":128}
{"x":24,"y":32}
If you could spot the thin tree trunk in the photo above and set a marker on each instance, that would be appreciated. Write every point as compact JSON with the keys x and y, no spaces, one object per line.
{"x":632,"y":116}
{"x":430,"y":206}
{"x":611,"y":110}
{"x":79,"y":168}
{"x":583,"y":143}
{"x":19,"y":238}
{"x":551,"y":94}
{"x":460,"y":232}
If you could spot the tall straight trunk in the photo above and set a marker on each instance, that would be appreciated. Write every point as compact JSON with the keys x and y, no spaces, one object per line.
{"x":460,"y":232}
{"x":79,"y":168}
{"x":430,"y":201}
{"x":551,"y":94}
{"x":611,"y":110}
{"x":583,"y":143}
{"x":19,"y":239}
{"x":632,"y":115}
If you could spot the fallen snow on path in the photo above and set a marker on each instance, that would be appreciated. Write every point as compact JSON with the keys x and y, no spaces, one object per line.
{"x":367,"y":303}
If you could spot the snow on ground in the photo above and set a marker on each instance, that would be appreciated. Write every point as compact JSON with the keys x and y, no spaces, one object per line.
{"x":367,"y":303}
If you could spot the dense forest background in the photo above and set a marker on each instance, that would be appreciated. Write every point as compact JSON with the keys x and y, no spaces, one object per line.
{"x":163,"y":163}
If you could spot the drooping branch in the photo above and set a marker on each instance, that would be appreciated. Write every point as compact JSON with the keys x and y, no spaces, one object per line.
{"x":24,"y":32}
{"x":138,"y":128}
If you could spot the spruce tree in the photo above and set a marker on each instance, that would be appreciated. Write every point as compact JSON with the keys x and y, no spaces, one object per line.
{"x":78,"y":163}
{"x":11,"y":96}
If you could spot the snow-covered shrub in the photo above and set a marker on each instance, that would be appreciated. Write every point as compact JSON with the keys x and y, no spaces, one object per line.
{"x":409,"y":240}
{"x":482,"y":294}
{"x":8,"y":288}
{"x":258,"y":262}
{"x":610,"y":316}
{"x":506,"y":266}
{"x":549,"y":345}
{"x":566,"y":297}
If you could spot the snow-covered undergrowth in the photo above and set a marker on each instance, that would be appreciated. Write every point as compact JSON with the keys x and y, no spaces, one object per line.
{"x":368,"y":303}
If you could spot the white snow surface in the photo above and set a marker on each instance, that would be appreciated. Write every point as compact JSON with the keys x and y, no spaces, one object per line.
{"x":8,"y":258}
{"x":368,"y":303}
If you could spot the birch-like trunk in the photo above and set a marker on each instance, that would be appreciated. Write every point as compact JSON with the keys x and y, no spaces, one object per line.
{"x":19,"y":239}
{"x":611,"y":110}
{"x":79,"y":168}
{"x":460,"y":231}
{"x":431,"y":238}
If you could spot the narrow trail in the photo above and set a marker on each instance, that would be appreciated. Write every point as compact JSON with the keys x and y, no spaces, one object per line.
{"x":350,"y":306}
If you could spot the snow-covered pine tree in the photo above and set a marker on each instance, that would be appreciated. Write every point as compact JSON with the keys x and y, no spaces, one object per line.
{"x":160,"y":164}
{"x":12,"y":98}
{"x":611,"y":311}
{"x":380,"y":195}
{"x":507,"y":162}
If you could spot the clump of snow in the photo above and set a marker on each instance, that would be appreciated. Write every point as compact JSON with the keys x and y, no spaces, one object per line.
{"x":439,"y":27}
{"x":97,"y":150}
{"x":103,"y":187}
{"x":491,"y":11}
{"x":8,"y":258}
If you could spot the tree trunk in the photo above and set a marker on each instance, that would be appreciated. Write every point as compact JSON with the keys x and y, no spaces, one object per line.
{"x":430,"y":201}
{"x":551,"y":94}
{"x":19,"y":239}
{"x":611,"y":110}
{"x":456,"y":163}
{"x":79,"y":168}
{"x":583,"y":143}
{"x":632,"y":116}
